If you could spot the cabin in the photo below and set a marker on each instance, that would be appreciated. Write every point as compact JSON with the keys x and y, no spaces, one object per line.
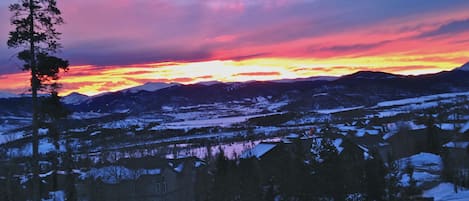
{"x":456,"y":153}
{"x":405,"y":143}
{"x":142,"y":179}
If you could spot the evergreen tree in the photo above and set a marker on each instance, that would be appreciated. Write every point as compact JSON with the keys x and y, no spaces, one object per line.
{"x":250,"y":180}
{"x":225,"y":182}
{"x":433,"y":141}
{"x":393,"y":187}
{"x":34,"y":22}
{"x":375,"y":174}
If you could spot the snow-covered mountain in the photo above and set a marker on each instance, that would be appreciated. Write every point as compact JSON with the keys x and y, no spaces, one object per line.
{"x":372,"y":75}
{"x":308,"y":79}
{"x":8,"y":95}
{"x":464,"y":67}
{"x":74,"y":98}
{"x":150,"y":87}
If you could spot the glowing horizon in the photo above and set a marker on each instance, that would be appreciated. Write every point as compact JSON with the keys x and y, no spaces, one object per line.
{"x":116,"y":78}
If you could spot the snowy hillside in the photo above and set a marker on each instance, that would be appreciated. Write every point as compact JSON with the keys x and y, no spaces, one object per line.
{"x":464,"y":67}
{"x":74,"y":98}
{"x":150,"y":87}
{"x":8,"y":95}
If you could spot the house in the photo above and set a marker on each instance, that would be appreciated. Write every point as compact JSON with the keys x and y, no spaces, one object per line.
{"x":376,"y":144}
{"x":405,"y":143}
{"x":273,"y":156}
{"x":142,"y":179}
{"x":456,"y":154}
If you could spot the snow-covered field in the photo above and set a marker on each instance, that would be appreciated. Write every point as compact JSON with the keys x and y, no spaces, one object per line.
{"x":220,"y":122}
{"x":427,"y":168}
{"x":446,"y":192}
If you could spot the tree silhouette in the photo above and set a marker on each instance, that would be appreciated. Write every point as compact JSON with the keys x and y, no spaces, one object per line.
{"x":34,"y":22}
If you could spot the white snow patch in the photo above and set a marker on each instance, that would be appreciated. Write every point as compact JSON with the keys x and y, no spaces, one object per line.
{"x":56,"y":196}
{"x":464,"y":128}
{"x":445,"y":192}
{"x":115,"y":174}
{"x":150,"y":87}
{"x":420,"y":100}
{"x":8,"y":95}
{"x":423,"y":162}
{"x":87,"y":115}
{"x":336,"y":110}
{"x":337,"y":143}
{"x":459,"y":145}
{"x":75,"y":98}
{"x":258,"y":151}
{"x":201,"y":123}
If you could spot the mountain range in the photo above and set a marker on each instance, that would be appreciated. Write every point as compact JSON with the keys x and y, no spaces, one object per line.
{"x":358,"y":89}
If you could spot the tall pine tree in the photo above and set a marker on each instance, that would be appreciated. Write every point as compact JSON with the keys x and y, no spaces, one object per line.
{"x":35,"y":22}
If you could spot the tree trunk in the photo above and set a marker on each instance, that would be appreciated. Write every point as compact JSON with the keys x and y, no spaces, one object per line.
{"x":34,"y":88}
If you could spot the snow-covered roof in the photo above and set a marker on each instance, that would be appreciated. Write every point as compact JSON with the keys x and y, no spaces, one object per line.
{"x":337,"y":144}
{"x":115,"y":174}
{"x":389,"y":135}
{"x":458,"y":145}
{"x":464,"y":128}
{"x":258,"y":151}
{"x":293,"y":136}
{"x":179,"y":168}
{"x":366,"y":152}
{"x":427,"y":161}
{"x":445,"y":191}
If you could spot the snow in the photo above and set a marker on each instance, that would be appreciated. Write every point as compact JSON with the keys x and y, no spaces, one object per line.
{"x":44,"y":147}
{"x":198,"y":164}
{"x":427,"y":168}
{"x":445,"y":192}
{"x":209,"y":83}
{"x":150,"y":87}
{"x":420,"y":100}
{"x":337,"y":144}
{"x":8,"y":95}
{"x":459,"y":145}
{"x":125,"y":123}
{"x":87,"y":115}
{"x":43,"y":131}
{"x":292,"y":136}
{"x":447,"y":126}
{"x":331,"y":111}
{"x":258,"y":151}
{"x":310,"y":79}
{"x":389,"y":135}
{"x":8,"y":137}
{"x":56,"y":196}
{"x":179,"y":168}
{"x":201,"y":123}
{"x":366,"y":152}
{"x":95,"y":133}
{"x":423,"y":161}
{"x":464,"y":67}
{"x":75,"y":98}
{"x":363,"y":132}
{"x":115,"y":174}
{"x":464,"y":128}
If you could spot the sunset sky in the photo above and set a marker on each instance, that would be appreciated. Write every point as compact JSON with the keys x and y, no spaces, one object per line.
{"x":116,"y":44}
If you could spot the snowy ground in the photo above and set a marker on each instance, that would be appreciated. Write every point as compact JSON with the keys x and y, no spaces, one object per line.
{"x":427,"y":168}
{"x":220,"y":122}
{"x":446,"y":192}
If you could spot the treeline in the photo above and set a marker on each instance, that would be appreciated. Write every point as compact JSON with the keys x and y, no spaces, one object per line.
{"x":295,"y":176}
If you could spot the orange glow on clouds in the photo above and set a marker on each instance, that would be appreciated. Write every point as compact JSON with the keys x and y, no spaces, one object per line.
{"x":92,"y":80}
{"x":417,"y":43}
